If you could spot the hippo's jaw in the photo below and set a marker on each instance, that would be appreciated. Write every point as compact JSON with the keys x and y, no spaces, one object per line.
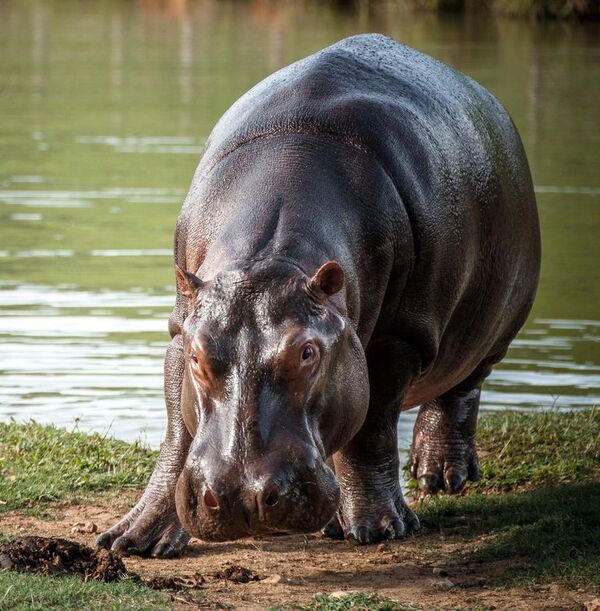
{"x":231,"y":505}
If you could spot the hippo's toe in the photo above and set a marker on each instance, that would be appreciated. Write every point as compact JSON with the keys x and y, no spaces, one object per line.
{"x":439,"y":468}
{"x":454,"y":480}
{"x":333,"y":529}
{"x":430,"y":483}
{"x":147,"y":530}
{"x":370,"y":524}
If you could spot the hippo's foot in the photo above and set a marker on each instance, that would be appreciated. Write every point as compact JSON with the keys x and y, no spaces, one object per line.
{"x":151,"y":528}
{"x":371,"y":505}
{"x":443,"y":464}
{"x":443,"y":455}
{"x":364,"y":520}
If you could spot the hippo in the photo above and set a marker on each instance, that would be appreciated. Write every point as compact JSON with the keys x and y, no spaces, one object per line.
{"x":360,"y":238}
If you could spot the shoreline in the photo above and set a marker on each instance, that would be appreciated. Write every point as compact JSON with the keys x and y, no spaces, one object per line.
{"x":527,"y":536}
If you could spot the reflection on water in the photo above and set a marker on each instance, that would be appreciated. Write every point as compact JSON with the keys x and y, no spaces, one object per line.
{"x":104,"y":109}
{"x":144,"y":144}
{"x":85,"y":199}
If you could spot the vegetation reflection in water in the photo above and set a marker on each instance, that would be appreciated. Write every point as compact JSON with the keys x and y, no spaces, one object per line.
{"x":104,"y":110}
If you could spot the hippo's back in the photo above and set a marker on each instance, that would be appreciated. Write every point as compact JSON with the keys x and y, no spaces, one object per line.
{"x":376,"y":93}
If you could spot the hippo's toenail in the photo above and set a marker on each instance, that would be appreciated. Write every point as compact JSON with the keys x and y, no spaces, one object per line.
{"x":454,"y":480}
{"x":429,"y":482}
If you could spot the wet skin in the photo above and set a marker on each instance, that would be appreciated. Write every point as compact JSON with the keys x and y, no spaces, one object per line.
{"x":360,"y":238}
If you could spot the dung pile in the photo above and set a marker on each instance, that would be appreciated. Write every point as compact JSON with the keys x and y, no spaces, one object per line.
{"x":50,"y":556}
{"x":237,"y":574}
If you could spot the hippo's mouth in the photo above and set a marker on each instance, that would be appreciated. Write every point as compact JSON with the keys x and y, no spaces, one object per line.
{"x":301,"y":507}
{"x":215,"y":529}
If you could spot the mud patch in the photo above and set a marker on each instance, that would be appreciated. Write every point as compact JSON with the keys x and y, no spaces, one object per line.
{"x":59,"y":557}
{"x":297,"y":567}
{"x":177,"y":582}
{"x":237,"y":574}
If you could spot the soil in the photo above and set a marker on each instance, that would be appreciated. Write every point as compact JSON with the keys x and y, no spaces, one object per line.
{"x":429,"y":571}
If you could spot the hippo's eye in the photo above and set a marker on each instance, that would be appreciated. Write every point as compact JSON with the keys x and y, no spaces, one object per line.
{"x":308,"y":352}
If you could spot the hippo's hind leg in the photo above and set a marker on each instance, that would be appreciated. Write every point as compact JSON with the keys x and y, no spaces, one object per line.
{"x":152,"y":526}
{"x":443,"y":454}
{"x":372,"y":507}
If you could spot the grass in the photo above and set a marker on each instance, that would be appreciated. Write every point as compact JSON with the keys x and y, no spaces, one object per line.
{"x":525,"y":450}
{"x":552,"y":534}
{"x":42,"y":464}
{"x":553,"y":525}
{"x":355,"y":601}
{"x":38,"y":592}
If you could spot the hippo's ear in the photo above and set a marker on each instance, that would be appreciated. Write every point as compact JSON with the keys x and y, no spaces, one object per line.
{"x":329,"y":278}
{"x":187,"y":283}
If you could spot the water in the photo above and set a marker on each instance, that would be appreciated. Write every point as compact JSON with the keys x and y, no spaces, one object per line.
{"x":104,"y":108}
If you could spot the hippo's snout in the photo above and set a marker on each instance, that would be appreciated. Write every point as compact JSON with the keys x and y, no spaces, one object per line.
{"x":231,"y":504}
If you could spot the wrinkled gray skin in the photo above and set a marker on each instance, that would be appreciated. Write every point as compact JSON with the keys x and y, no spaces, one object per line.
{"x":360,"y":238}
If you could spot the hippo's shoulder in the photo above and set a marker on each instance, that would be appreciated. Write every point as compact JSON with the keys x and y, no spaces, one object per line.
{"x":360,"y":67}
{"x":374,"y":64}
{"x":374,"y":51}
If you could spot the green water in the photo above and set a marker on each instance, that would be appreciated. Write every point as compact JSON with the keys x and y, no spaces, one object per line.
{"x":104,"y":107}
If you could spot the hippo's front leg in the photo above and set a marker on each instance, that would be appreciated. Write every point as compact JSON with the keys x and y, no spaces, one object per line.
{"x":152,"y":526}
{"x":372,"y":507}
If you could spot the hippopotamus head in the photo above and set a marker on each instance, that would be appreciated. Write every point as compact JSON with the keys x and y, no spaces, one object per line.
{"x":275,"y":382}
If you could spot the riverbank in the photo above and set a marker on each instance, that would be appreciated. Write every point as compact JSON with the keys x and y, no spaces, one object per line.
{"x":526,"y":536}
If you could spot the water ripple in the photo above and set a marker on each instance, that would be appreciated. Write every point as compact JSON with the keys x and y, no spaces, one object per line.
{"x":146,"y":144}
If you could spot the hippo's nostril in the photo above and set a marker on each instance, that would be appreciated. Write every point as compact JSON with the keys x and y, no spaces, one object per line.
{"x":210,"y":500}
{"x":272,"y":496}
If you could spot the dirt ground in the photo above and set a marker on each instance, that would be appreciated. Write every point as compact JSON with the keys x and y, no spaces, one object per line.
{"x":428,"y":572}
